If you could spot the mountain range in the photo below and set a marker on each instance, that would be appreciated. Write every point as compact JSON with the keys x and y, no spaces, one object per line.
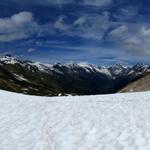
{"x":28,"y":77}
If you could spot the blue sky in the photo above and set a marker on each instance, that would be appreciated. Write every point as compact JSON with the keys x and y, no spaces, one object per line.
{"x":94,"y":31}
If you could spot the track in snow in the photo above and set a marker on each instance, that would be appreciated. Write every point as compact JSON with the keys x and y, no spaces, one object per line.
{"x":112,"y":122}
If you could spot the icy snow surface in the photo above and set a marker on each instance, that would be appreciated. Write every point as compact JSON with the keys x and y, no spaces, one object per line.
{"x":112,"y":122}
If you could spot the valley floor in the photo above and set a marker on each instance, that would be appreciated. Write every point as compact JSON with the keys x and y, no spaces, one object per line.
{"x":112,"y":122}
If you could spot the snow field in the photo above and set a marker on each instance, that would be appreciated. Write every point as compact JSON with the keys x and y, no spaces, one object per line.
{"x":112,"y":122}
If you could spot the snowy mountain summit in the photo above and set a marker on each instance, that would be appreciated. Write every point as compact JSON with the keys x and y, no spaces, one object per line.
{"x":63,"y":79}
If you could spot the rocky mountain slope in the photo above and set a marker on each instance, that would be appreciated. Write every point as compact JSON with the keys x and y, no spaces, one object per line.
{"x":64,"y":79}
{"x":142,"y":84}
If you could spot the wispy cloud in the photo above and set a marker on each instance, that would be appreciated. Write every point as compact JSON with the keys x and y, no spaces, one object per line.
{"x":91,"y":26}
{"x":60,"y":24}
{"x":63,"y":2}
{"x":31,"y":50}
{"x":18,"y":26}
{"x":135,"y":41}
{"x":126,"y":13}
{"x":97,"y":2}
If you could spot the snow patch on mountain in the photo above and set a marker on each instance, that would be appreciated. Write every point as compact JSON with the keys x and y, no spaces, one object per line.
{"x":42,"y":67}
{"x":8,"y":60}
{"x":20,"y":77}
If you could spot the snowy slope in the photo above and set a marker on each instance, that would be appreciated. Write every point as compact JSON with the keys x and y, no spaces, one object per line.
{"x":112,"y":122}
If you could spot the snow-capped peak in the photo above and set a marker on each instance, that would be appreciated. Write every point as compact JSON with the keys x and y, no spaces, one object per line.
{"x":119,"y":66}
{"x":8,"y":59}
{"x":41,"y":67}
{"x":119,"y":69}
{"x":140,"y":67}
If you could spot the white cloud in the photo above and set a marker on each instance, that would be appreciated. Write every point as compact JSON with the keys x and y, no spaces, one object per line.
{"x":126,"y":13}
{"x":43,"y":2}
{"x":134,"y":41}
{"x":145,"y":32}
{"x":31,"y":50}
{"x":64,"y":2}
{"x":18,"y":26}
{"x":60,"y":24}
{"x":97,"y":2}
{"x":119,"y":33}
{"x":22,"y":18}
{"x":91,"y":26}
{"x":13,"y":36}
{"x":80,"y":21}
{"x":59,"y":2}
